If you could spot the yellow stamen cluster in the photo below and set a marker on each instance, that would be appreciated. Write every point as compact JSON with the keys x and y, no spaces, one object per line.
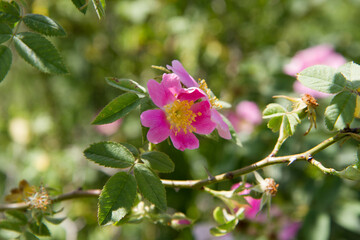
{"x":214,"y":101}
{"x":180,"y":116}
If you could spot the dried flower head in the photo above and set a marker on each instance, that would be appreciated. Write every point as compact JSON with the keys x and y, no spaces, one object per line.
{"x":269,"y":186}
{"x":311,"y":104}
{"x":40,"y":199}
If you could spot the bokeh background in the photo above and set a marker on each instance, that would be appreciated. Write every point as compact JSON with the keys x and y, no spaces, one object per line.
{"x":240,"y":48}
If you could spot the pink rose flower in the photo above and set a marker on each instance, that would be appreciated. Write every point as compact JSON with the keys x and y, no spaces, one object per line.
{"x":180,"y":114}
{"x":321,"y":54}
{"x":246,"y":116}
{"x":253,"y":208}
{"x":188,"y":81}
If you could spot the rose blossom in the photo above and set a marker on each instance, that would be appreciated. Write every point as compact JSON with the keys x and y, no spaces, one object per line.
{"x":321,"y":54}
{"x":180,"y":114}
{"x":246,"y":116}
{"x":188,"y":81}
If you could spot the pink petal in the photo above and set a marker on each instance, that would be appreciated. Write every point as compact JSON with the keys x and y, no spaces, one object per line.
{"x":249,"y":111}
{"x":221,"y":126}
{"x":185,"y":77}
{"x":203,"y":123}
{"x":159,"y":126}
{"x":153,"y":118}
{"x":158,"y":134}
{"x":160,"y":95}
{"x":184,"y":141}
{"x":191,"y":94}
{"x":321,"y":54}
{"x":171,"y":82}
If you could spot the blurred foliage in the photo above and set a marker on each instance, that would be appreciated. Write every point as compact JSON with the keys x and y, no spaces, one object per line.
{"x":239,"y":47}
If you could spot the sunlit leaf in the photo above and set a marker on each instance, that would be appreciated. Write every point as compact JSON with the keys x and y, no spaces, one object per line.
{"x":150,"y":186}
{"x":118,"y":108}
{"x":43,"y":24}
{"x":322,"y":78}
{"x":224,"y":228}
{"x":158,"y":161}
{"x":110,"y":154}
{"x":39,"y":52}
{"x":5,"y":61}
{"x":116,"y":198}
{"x":126,"y":85}
{"x":341,"y":110}
{"x":131,"y":148}
{"x":351,"y":71}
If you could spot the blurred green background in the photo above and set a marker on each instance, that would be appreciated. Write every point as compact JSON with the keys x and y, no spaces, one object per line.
{"x":239,"y":47}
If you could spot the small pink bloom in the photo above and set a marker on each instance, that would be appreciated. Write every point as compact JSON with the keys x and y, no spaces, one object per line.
{"x":246,"y":116}
{"x":253,"y":208}
{"x":188,"y":81}
{"x":108,"y":129}
{"x":179,"y":116}
{"x":321,"y":54}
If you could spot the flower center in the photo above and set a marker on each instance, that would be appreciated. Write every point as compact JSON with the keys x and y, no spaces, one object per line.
{"x":181,"y":116}
{"x":214,"y":101}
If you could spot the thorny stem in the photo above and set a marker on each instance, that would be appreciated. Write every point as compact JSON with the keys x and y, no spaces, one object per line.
{"x":198,"y":184}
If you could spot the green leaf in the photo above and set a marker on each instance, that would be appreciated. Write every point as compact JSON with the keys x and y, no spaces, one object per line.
{"x":110,"y":154}
{"x":29,"y":236}
{"x":158,"y":161}
{"x":126,"y":85}
{"x":351,"y":71}
{"x":43,"y":25}
{"x":81,"y":5}
{"x":5,"y":32}
{"x":99,"y":6}
{"x":10,"y":225}
{"x":218,"y":215}
{"x":39,"y":230}
{"x":290,"y":121}
{"x":117,"y":108}
{"x":273,"y":110}
{"x":5,"y":61}
{"x":150,"y":186}
{"x":224,"y":228}
{"x":351,"y":172}
{"x":131,"y":148}
{"x":116,"y":198}
{"x":18,"y":216}
{"x":341,"y":110}
{"x":55,"y":221}
{"x":9,"y":12}
{"x":322,"y":78}
{"x":39,"y":52}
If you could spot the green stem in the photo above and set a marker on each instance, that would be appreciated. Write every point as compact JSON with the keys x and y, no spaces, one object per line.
{"x":201,"y":183}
